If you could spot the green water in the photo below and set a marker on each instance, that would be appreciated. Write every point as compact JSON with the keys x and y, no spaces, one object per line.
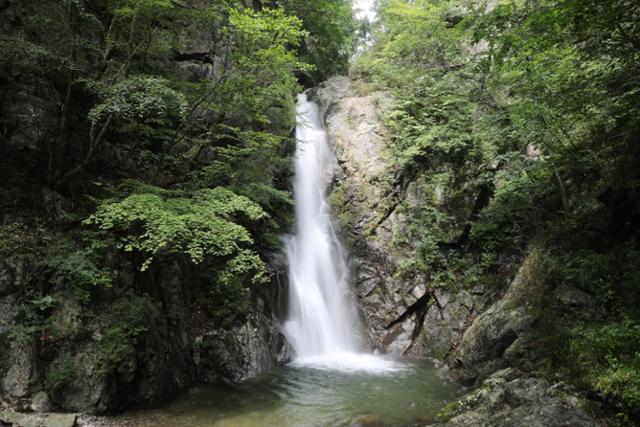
{"x":309,"y":397}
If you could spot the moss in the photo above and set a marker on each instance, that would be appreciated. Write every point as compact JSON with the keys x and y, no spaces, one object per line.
{"x":447,"y":412}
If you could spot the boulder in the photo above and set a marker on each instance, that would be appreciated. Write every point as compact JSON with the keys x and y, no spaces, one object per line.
{"x":40,"y":402}
{"x":499,"y":336}
{"x":16,"y":381}
{"x":240,"y":353}
{"x":507,"y":400}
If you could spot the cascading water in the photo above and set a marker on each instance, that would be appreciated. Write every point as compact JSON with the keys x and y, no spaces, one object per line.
{"x":321,"y":327}
{"x":319,"y":320}
{"x":322,"y":319}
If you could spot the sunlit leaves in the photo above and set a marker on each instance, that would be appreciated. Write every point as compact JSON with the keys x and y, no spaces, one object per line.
{"x":143,"y":99}
{"x":200,"y":226}
{"x":329,"y":40}
{"x":128,"y":8}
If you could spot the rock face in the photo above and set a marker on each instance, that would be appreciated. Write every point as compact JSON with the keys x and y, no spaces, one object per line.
{"x":399,"y":315}
{"x":87,"y":360}
{"x":364,"y":211}
{"x":244,"y":352}
{"x":121,"y":349}
{"x":508,"y":400}
{"x":501,"y":336}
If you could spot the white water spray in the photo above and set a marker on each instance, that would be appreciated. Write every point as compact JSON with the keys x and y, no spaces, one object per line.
{"x":319,"y":318}
{"x":322,"y":318}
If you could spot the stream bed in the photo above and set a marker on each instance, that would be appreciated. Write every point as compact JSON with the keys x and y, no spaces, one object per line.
{"x":405,"y":393}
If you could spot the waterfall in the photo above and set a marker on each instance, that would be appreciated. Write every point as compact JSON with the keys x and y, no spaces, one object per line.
{"x":322,"y":320}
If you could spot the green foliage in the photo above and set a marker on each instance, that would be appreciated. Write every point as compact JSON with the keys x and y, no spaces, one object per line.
{"x":609,"y":357}
{"x":518,"y":123}
{"x":523,"y":199}
{"x":143,"y":99}
{"x":166,"y":126}
{"x":199,"y":226}
{"x":264,"y":65}
{"x":228,"y":305}
{"x":77,"y":269}
{"x":447,"y":412}
{"x":607,"y":275}
{"x":243,"y":159}
{"x":129,"y":319}
{"x":33,"y":320}
{"x":329,"y":41}
{"x":129,"y":8}
{"x":60,"y":374}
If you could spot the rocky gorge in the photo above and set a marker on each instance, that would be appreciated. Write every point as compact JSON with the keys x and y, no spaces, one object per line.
{"x":174,"y":346}
{"x":483,"y":180}
{"x":482,"y":337}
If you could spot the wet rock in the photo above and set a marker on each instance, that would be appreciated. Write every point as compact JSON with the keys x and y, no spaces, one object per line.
{"x":507,"y":400}
{"x":447,"y":320}
{"x":83,"y":386}
{"x":500,"y":334}
{"x":195,"y":72}
{"x":365,"y":218}
{"x":369,"y":421}
{"x":365,"y":200}
{"x":235,"y":355}
{"x":31,"y":108}
{"x":60,"y":420}
{"x":8,"y":311}
{"x":54,"y":204}
{"x":158,"y":364}
{"x":7,"y":278}
{"x":17,"y":419}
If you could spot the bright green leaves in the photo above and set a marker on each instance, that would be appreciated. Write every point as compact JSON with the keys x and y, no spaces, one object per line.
{"x":129,"y":8}
{"x":261,"y":81}
{"x":204,"y":225}
{"x":265,"y":29}
{"x":530,"y":109}
{"x":142,"y":99}
{"x":77,"y":269}
{"x":329,"y":41}
{"x":417,"y":34}
{"x":244,"y":263}
{"x":129,"y":319}
{"x":241,"y":158}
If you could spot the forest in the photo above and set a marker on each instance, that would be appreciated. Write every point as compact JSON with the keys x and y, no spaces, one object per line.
{"x":146,"y":161}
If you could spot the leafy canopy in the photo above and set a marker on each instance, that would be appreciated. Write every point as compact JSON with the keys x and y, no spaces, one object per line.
{"x":202,"y":225}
